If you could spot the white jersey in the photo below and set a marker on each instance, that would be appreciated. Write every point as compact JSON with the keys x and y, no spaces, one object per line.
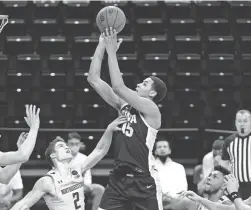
{"x":221,"y":201}
{"x":69,"y":193}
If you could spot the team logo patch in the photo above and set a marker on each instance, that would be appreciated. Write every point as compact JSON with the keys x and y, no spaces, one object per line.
{"x":75,"y":174}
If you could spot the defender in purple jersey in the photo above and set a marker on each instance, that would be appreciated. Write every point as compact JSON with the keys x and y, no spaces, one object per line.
{"x":132,"y":182}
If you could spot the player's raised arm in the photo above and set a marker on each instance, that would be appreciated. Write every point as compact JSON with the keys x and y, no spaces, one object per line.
{"x":41,"y":188}
{"x":103,"y":145}
{"x":25,"y":150}
{"x":8,"y":172}
{"x":101,"y":87}
{"x":143,"y":105}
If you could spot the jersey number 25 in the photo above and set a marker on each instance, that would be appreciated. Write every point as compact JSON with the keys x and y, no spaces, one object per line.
{"x":127,"y":129}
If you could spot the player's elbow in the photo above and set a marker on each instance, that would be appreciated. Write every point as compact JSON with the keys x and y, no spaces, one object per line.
{"x":118,"y":88}
{"x":93,"y":81}
{"x":24,"y":157}
{"x":90,"y":79}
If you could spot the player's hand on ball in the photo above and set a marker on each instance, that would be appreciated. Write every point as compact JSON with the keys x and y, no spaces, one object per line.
{"x":191,"y":195}
{"x":32,"y":117}
{"x":232,"y":183}
{"x":21,"y":139}
{"x":111,"y":42}
{"x":114,"y":125}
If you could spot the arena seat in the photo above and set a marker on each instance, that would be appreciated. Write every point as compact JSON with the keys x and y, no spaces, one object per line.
{"x":18,"y":80}
{"x":188,"y":63}
{"x":178,"y":9}
{"x":17,"y":9}
{"x":44,"y":27}
{"x":84,"y":45}
{"x":220,"y":63}
{"x":77,"y":27}
{"x":245,"y":44}
{"x":28,"y":63}
{"x":52,"y":45}
{"x":50,"y":95}
{"x":149,"y":9}
{"x":127,"y":46}
{"x":78,"y":10}
{"x":243,"y":26}
{"x":154,"y":44}
{"x":188,"y":121}
{"x":187,"y":44}
{"x":240,"y":9}
{"x":245,"y":62}
{"x":220,"y":44}
{"x":183,"y":27}
{"x":187,"y":80}
{"x":150,"y":27}
{"x":19,"y":45}
{"x":53,"y":80}
{"x":128,"y":63}
{"x":216,"y":27}
{"x":47,"y":10}
{"x":211,"y":9}
{"x":191,"y":95}
{"x":16,"y":27}
{"x":156,"y":63}
{"x":59,"y":63}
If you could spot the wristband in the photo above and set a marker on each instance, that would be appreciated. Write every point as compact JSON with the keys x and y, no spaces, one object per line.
{"x":233,"y":196}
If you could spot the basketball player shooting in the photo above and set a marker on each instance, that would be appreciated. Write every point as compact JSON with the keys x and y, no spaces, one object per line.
{"x":62,"y":187}
{"x":133,"y":146}
{"x":25,"y":144}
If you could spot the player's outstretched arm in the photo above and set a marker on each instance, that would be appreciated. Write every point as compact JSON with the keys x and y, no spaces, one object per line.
{"x":103,"y":145}
{"x":177,"y":202}
{"x":7,"y":173}
{"x":25,"y":150}
{"x":41,"y":188}
{"x":205,"y":202}
{"x":143,"y":105}
{"x":101,"y":87}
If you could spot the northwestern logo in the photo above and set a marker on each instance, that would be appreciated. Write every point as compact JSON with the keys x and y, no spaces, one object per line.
{"x":75,"y":174}
{"x":72,"y":188}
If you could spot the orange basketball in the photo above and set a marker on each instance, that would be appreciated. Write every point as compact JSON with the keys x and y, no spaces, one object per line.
{"x":111,"y":16}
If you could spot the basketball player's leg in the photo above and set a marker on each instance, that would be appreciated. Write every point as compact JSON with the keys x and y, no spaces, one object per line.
{"x":148,"y":204}
{"x":97,"y":192}
{"x":147,"y":194}
{"x":113,"y":200}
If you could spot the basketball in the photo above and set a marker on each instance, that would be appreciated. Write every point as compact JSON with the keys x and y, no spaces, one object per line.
{"x":111,"y":16}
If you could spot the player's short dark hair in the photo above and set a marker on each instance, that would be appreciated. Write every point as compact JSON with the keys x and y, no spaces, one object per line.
{"x":222,"y":169}
{"x":218,"y":144}
{"x":74,"y":135}
{"x":160,"y":87}
{"x":162,"y":139}
{"x":51,"y":148}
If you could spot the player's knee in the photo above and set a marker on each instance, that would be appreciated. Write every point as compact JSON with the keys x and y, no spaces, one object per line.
{"x":97,"y":189}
